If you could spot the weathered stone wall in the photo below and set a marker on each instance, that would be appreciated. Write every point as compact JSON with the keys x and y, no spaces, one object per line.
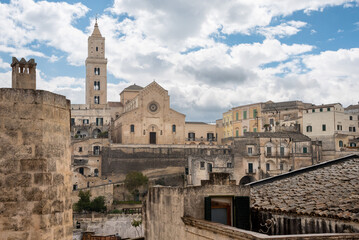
{"x":35,"y":177}
{"x":165,"y":206}
{"x":120,"y":159}
{"x":109,"y":224}
{"x":328,"y":191}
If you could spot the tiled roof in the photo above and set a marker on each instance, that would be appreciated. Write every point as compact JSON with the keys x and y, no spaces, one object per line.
{"x":329,"y":189}
{"x":352,"y":107}
{"x":134,"y":87}
{"x":272,"y":106}
{"x":296,"y":136}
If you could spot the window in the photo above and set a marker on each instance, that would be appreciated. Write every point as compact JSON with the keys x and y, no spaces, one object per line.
{"x":237,"y":133}
{"x":132,"y":128}
{"x":309,"y":128}
{"x":313,"y":110}
{"x":99,"y":121}
{"x":341,"y":143}
{"x":324,"y":127}
{"x":236,"y":115}
{"x":350,"y":117}
{"x":254,"y":113}
{"x":96,"y":150}
{"x":328,"y":109}
{"x":186,"y":170}
{"x":271,"y":121}
{"x":339,"y":127}
{"x":96,"y":49}
{"x":245,"y":130}
{"x":80,"y":149}
{"x":96,"y":85}
{"x":250,"y":150}
{"x":229,"y":211}
{"x":305,"y":150}
{"x":85,"y":121}
{"x":173,"y":128}
{"x":202,"y":165}
{"x":321,"y":109}
{"x":72,"y":121}
{"x":97,"y":71}
{"x":351,"y":129}
{"x":74,"y":187}
{"x":229,"y":164}
{"x":267,"y":167}
{"x":281,"y":166}
{"x":250,"y":167}
{"x":210,"y":136}
{"x":352,"y":144}
{"x":96,"y":172}
{"x":244,"y":114}
{"x":209,"y":167}
{"x":97,"y":100}
{"x":282,"y":151}
{"x":191,"y":136}
{"x":254,"y":129}
{"x":269,"y":151}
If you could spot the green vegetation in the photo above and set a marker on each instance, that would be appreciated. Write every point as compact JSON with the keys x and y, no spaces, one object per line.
{"x":103,"y":134}
{"x":85,"y":205}
{"x":116,"y":211}
{"x":116,"y":202}
{"x":133,"y":181}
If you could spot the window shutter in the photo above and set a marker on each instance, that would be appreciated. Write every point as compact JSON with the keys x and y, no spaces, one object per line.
{"x":207,"y":209}
{"x":242,"y":213}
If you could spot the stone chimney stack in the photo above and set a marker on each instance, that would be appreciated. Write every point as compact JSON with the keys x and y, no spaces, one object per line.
{"x":23,"y":73}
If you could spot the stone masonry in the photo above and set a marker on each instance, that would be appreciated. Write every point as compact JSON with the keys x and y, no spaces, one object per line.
{"x":35,"y":177}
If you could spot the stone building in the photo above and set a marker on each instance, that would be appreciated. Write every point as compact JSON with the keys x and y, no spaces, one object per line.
{"x":200,"y":133}
{"x":261,"y":155}
{"x":35,"y":176}
{"x":334,"y":127}
{"x":167,"y":210}
{"x":148,"y":119}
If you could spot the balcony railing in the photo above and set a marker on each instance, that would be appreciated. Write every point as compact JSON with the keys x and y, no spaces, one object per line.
{"x":95,"y":153}
{"x":202,"y":139}
{"x":250,"y":171}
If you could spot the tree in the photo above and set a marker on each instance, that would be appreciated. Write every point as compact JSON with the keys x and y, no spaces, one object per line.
{"x":133,"y":181}
{"x":98,"y":204}
{"x":84,"y":203}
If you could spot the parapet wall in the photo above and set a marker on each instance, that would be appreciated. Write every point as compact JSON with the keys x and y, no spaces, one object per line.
{"x":35,"y":176}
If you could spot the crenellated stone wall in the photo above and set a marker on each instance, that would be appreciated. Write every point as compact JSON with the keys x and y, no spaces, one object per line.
{"x":35,"y":158}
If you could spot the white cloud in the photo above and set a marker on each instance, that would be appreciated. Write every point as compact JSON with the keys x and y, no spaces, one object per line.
{"x":23,"y":22}
{"x":282,"y":30}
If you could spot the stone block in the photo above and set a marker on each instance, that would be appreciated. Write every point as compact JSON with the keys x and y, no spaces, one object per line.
{"x":32,"y":194}
{"x":58,"y":179}
{"x":19,"y":179}
{"x":43,"y":179}
{"x":33,"y":165}
{"x":57,"y":206}
{"x":42,"y":207}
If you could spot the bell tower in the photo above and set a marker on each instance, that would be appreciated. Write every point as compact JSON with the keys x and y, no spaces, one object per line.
{"x":96,"y":70}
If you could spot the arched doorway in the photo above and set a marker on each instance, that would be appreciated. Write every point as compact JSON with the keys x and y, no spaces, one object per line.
{"x":153,"y":129}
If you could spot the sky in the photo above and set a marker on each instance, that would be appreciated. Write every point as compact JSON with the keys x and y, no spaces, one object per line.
{"x":210,"y":55}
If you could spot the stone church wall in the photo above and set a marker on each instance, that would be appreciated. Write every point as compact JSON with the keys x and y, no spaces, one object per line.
{"x":35,"y":177}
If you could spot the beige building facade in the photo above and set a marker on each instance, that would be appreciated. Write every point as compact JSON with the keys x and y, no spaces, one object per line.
{"x":334,"y":127}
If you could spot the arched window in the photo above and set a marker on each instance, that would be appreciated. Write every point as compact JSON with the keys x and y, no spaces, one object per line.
{"x":309,"y":129}
{"x":341,"y":143}
{"x":173,"y":128}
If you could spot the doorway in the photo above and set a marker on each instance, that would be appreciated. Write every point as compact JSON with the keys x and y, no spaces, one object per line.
{"x":152,"y":137}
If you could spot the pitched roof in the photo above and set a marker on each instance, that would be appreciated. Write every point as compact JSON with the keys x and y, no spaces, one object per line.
{"x":133,"y":87}
{"x":96,"y":31}
{"x":328,"y":189}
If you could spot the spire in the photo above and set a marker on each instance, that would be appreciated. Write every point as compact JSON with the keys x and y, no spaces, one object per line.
{"x":96,"y":31}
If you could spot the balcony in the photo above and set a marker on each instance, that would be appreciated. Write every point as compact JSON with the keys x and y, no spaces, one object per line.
{"x":251,"y":171}
{"x":201,"y":139}
{"x":79,"y":162}
{"x":95,"y":153}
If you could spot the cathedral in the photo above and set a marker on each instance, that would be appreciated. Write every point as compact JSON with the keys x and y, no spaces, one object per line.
{"x":143,"y":115}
